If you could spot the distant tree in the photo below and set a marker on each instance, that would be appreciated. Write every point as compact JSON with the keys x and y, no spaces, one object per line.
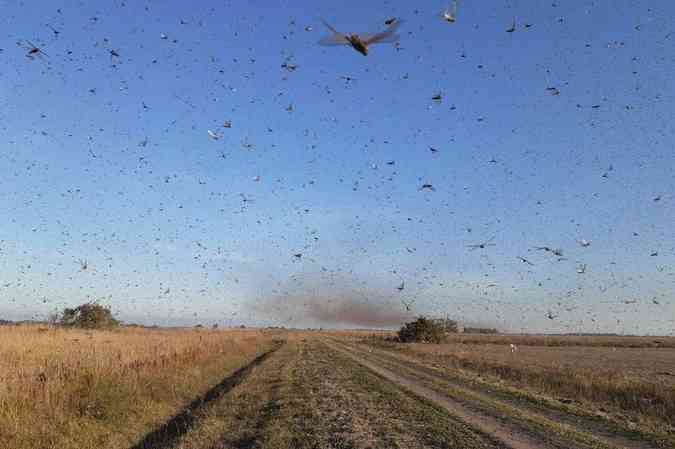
{"x":423,"y":330}
{"x":91,"y":315}
{"x":215,"y":326}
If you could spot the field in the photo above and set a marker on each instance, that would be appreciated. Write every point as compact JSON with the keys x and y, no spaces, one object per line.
{"x":215,"y":389}
{"x":78,"y":389}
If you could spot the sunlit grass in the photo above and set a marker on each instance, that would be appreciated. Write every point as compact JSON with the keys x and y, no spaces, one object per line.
{"x":106,"y":389}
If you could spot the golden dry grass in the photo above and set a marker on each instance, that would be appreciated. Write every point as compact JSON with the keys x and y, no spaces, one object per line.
{"x":81,"y":389}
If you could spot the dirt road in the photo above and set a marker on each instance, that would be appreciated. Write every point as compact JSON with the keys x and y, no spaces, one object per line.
{"x":316,"y":393}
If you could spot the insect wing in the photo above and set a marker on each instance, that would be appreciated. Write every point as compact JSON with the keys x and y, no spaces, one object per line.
{"x":335,"y":39}
{"x":387,"y":36}
{"x":327,"y":25}
{"x":379,"y":38}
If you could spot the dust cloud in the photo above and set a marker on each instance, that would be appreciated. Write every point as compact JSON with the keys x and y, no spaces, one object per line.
{"x":335,"y":305}
{"x":357,"y":312}
{"x":332,"y":311}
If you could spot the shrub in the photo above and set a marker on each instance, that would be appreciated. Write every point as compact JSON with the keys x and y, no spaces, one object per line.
{"x":422,"y":330}
{"x":88,"y":316}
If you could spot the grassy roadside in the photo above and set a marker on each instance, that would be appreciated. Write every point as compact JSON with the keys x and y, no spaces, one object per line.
{"x":105,"y":390}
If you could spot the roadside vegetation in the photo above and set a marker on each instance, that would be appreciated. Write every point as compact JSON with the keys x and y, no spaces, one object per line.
{"x":422,"y":330}
{"x":73,"y":388}
{"x":90,"y":315}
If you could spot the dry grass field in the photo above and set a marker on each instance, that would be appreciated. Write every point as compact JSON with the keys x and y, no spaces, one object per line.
{"x":138,"y":388}
{"x":104,"y":389}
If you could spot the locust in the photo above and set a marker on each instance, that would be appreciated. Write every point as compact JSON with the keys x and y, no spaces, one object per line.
{"x":360,"y":42}
{"x":450,"y":15}
{"x":524,"y":260}
{"x":408,"y":304}
{"x":32,"y":50}
{"x":482,"y":245}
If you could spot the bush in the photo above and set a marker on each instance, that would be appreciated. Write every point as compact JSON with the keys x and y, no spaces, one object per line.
{"x":88,"y":316}
{"x":422,"y":330}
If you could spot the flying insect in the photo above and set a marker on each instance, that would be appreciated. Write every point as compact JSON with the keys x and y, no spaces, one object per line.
{"x":361,"y":42}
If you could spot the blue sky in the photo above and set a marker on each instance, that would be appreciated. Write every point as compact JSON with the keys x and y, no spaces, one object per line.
{"x":108,"y":158}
